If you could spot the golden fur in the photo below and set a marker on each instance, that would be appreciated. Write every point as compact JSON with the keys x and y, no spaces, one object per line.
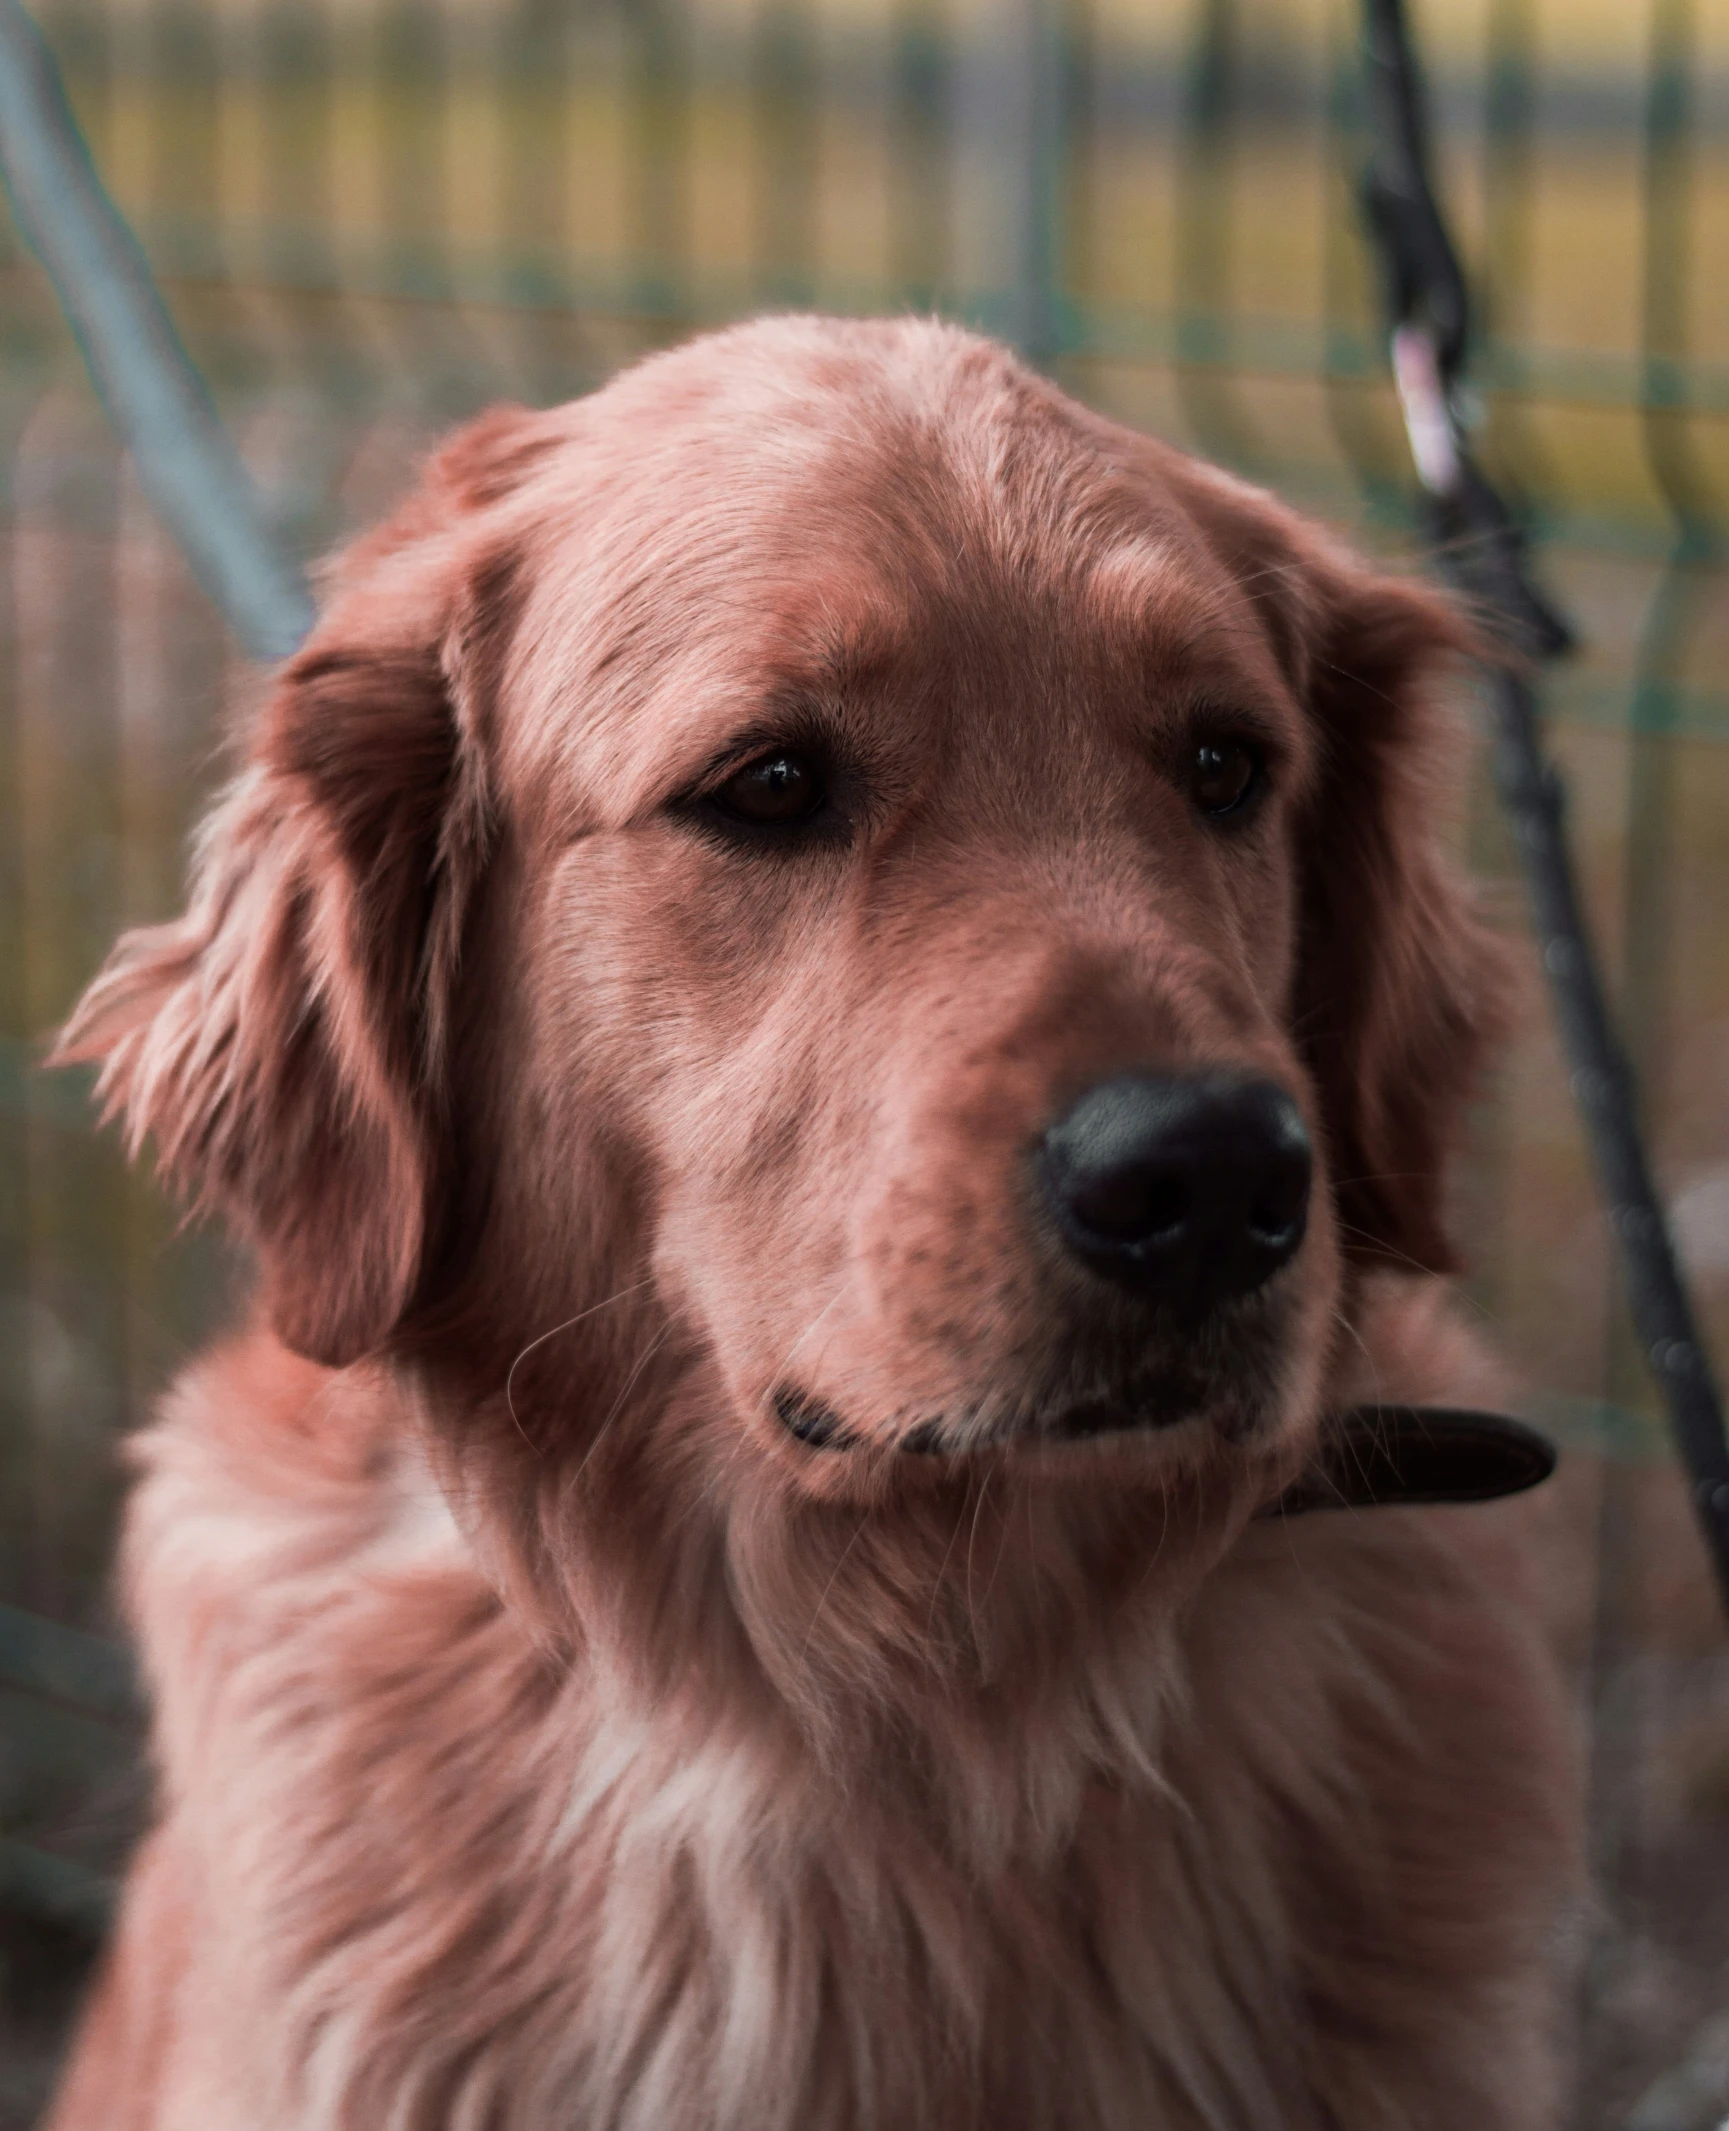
{"x":547,"y":1736}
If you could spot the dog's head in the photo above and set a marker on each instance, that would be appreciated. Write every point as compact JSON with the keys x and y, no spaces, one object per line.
{"x":830,"y":882}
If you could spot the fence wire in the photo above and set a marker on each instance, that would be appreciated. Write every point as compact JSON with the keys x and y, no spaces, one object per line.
{"x":373,"y":216}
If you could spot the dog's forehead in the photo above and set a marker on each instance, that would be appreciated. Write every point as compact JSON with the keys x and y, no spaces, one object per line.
{"x":713,"y":557}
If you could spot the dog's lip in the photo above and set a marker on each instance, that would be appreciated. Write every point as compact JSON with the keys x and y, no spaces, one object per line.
{"x":1118,"y":1416}
{"x":1080,"y":1422}
{"x":817,"y":1426}
{"x":1148,"y":1410}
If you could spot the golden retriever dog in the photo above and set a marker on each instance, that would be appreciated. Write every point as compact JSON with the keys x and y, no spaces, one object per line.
{"x":831,"y":999}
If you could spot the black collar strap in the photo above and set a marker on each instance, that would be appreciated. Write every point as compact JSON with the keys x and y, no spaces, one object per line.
{"x":1389,"y":1456}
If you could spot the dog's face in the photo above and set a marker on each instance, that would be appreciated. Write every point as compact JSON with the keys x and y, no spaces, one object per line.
{"x":921,"y":904}
{"x":923,"y":929}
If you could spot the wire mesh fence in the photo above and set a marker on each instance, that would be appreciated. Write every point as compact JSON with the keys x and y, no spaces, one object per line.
{"x":373,"y":216}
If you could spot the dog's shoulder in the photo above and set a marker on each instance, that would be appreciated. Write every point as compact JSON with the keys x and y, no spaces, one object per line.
{"x":254,"y":1447}
{"x":272,"y":1418}
{"x":278,"y":1503}
{"x":342,"y":1712}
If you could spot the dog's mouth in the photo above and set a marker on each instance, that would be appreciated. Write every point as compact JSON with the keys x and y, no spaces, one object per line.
{"x":817,"y":1426}
{"x":1147,"y":1406}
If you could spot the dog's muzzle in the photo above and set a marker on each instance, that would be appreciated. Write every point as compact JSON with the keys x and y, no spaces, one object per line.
{"x":1186,"y":1194}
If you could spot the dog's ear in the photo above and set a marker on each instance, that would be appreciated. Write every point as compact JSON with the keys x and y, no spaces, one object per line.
{"x":1399,"y":987}
{"x":284,"y":1042}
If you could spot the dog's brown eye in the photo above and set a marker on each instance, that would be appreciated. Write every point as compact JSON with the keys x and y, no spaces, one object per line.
{"x":1223,"y":775}
{"x":776,"y":791}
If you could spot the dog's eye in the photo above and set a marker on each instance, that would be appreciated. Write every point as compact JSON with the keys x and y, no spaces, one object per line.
{"x":1222,"y":775}
{"x":775,"y":791}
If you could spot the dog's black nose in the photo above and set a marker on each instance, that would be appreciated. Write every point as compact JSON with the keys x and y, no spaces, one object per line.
{"x":1188,"y":1190}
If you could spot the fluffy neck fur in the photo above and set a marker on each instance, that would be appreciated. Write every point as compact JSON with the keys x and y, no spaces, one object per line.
{"x":1067,"y":1874}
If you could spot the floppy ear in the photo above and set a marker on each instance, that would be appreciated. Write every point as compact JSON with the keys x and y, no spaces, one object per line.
{"x":1399,"y":987}
{"x":284,"y":1042}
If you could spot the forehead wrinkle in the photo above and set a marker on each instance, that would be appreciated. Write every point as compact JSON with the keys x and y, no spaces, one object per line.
{"x":1158,"y":595}
{"x":609,"y":672}
{"x":796,"y":656}
{"x":1188,"y":625}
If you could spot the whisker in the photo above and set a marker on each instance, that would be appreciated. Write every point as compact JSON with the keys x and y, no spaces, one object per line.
{"x":942,"y":1567}
{"x":972,"y":1541}
{"x":642,"y":1361}
{"x":1159,"y":1548}
{"x":1003,"y":1542}
{"x":804,"y":1647}
{"x":831,"y":1303}
{"x":1340,"y":1318}
{"x":1385,"y":1249}
{"x":510,"y":1378}
{"x":1404,"y":1260}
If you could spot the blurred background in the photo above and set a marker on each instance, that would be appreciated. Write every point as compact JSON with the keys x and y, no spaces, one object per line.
{"x":373,"y":216}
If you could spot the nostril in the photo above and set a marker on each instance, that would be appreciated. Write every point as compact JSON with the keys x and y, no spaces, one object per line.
{"x":1271,"y":1228}
{"x":1132,"y":1204}
{"x":1280,"y":1208}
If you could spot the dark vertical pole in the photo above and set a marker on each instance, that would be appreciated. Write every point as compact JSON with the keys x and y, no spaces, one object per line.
{"x":1478,"y":542}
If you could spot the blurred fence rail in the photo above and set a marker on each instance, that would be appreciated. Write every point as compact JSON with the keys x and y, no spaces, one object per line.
{"x":373,"y":216}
